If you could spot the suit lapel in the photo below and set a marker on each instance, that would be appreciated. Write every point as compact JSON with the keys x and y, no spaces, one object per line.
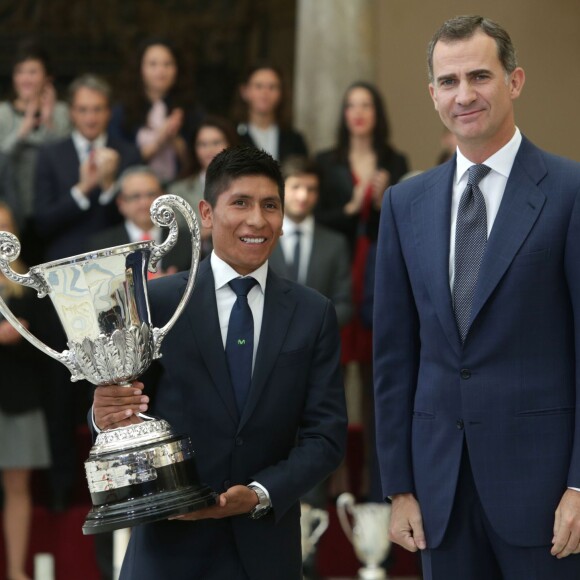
{"x":430,"y":215}
{"x":202,"y":314}
{"x":279,"y":307}
{"x":520,"y":207}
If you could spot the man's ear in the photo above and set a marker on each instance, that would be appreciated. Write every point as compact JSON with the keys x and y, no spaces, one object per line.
{"x":206,"y":213}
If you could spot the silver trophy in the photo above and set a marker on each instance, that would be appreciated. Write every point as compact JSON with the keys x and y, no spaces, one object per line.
{"x":143,"y":472}
{"x":313,"y":523}
{"x":369,"y":535}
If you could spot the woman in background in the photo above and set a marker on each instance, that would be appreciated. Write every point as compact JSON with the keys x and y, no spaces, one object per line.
{"x":212,"y":136}
{"x":22,"y":424}
{"x":153,"y":113}
{"x":354,"y":176}
{"x":30,"y":118}
{"x":263,"y":124}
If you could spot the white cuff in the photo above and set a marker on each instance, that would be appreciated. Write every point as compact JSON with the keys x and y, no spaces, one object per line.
{"x":574,"y":488}
{"x":106,"y":196}
{"x":263,"y":489}
{"x":82,"y":201}
{"x":97,"y":430}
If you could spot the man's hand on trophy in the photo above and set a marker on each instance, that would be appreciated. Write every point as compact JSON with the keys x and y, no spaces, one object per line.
{"x":237,"y":500}
{"x":115,"y":406}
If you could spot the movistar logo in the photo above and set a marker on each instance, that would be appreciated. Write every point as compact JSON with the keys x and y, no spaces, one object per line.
{"x":241,"y":341}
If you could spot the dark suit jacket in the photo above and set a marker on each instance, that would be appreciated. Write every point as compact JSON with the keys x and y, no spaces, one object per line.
{"x":63,"y":226}
{"x":179,"y":256}
{"x":290,"y":142}
{"x":290,"y":435}
{"x":328,"y":270}
{"x":512,"y":390}
{"x":336,"y":185}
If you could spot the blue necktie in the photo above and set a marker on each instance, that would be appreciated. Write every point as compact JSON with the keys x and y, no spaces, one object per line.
{"x":240,"y":340}
{"x":470,"y":242}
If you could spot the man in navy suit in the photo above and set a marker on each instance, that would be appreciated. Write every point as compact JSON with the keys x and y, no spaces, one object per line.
{"x":477,"y":391}
{"x":264,"y":454}
{"x":75,"y":178}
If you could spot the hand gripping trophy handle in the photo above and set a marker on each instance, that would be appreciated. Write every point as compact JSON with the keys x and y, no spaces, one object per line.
{"x":162,"y":214}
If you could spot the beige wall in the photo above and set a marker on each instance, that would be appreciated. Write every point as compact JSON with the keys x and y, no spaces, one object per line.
{"x":545,"y":34}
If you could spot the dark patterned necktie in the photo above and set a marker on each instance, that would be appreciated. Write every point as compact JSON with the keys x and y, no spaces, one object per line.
{"x":240,"y":340}
{"x":470,"y":241}
{"x":294,"y":268}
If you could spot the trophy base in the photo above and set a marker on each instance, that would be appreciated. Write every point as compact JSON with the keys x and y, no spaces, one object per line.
{"x":148,"y":509}
{"x":372,"y":574}
{"x":140,"y":474}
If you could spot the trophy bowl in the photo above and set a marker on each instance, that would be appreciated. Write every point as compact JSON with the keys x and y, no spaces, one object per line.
{"x":144,"y":472}
{"x":368,"y":533}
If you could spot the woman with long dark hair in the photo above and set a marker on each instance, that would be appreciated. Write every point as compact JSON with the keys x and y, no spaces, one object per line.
{"x":263,"y":120}
{"x":354,"y":176}
{"x":155,"y":110}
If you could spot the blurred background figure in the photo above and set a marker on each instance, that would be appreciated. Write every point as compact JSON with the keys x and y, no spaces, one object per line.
{"x":308,"y":252}
{"x":22,"y":424}
{"x":31,"y":117}
{"x":212,"y":136}
{"x":139,"y":187}
{"x":263,"y":120}
{"x":156,"y":110}
{"x":74,"y":200}
{"x":448,"y":146}
{"x":354,"y":176}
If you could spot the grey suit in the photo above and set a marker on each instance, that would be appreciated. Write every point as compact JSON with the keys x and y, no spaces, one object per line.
{"x":328,"y":271}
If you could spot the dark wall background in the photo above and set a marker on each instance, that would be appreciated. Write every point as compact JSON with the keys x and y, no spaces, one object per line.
{"x":217,"y":39}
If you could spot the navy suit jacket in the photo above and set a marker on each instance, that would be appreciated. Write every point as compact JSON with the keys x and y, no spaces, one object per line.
{"x":290,"y":436}
{"x":61,"y":223}
{"x":511,"y":391}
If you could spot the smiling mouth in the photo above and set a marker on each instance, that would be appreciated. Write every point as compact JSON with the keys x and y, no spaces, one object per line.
{"x":253,"y":240}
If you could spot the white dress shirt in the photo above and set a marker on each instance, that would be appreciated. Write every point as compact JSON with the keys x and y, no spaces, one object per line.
{"x":136,"y":234}
{"x":288,"y":242}
{"x":226,"y":297}
{"x":82,"y":147}
{"x":266,"y":139}
{"x":492,"y":186}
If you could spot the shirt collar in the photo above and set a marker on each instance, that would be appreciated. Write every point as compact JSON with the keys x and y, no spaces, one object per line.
{"x":81,"y":143}
{"x":501,"y":161}
{"x":306,"y":226}
{"x":136,"y":233}
{"x":223,"y":273}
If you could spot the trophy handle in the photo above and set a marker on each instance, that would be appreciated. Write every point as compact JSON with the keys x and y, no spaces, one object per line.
{"x":344,"y":505}
{"x":322,"y":524}
{"x":162,"y":214}
{"x":9,"y":251}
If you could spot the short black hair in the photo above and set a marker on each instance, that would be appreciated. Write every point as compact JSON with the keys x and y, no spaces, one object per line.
{"x":296,"y":165}
{"x":241,"y":161}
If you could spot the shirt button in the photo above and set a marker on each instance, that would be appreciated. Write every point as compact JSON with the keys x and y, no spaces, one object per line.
{"x":465,"y":374}
{"x":239,"y":441}
{"x":459,"y":424}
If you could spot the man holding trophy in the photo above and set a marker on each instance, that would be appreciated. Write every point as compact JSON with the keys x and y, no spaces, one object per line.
{"x":251,"y":373}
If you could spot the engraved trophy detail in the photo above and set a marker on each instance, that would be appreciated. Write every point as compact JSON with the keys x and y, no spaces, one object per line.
{"x":144,"y":472}
{"x":369,"y":535}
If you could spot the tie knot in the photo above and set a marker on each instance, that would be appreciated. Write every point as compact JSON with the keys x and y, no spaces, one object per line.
{"x":241,"y":286}
{"x":477,"y":173}
{"x":297,"y":232}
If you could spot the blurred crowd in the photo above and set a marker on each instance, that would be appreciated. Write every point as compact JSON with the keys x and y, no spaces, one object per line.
{"x":80,"y":173}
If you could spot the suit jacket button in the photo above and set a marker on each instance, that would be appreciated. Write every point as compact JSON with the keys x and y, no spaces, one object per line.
{"x":459,"y":424}
{"x":239,"y":441}
{"x":465,"y":374}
